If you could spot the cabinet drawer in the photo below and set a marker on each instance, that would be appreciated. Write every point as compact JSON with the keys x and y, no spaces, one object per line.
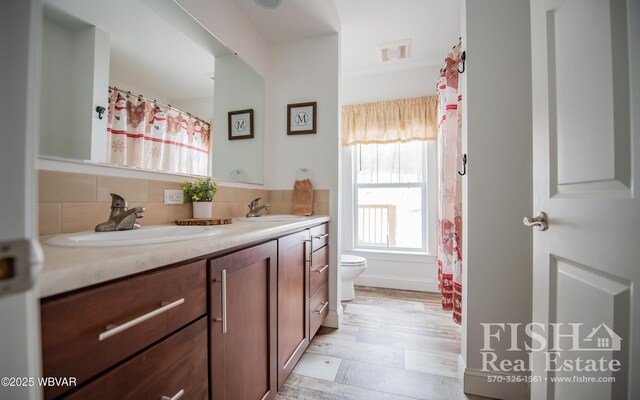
{"x":319,"y":272}
{"x":319,"y":236}
{"x":176,"y":365}
{"x":76,"y":341}
{"x":319,"y":306}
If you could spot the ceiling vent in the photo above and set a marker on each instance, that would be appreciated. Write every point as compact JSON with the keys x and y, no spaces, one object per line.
{"x":398,"y":50}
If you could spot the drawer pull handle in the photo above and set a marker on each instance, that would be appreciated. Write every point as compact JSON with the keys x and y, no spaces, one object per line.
{"x":324,"y":235}
{"x":175,"y":396}
{"x":322,"y":309}
{"x":321,"y":270}
{"x":113,"y":330}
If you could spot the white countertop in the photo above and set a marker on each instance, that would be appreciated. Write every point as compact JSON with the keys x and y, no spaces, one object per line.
{"x":68,"y":268}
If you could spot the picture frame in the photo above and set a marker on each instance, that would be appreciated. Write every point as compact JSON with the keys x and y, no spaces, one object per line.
{"x":241,"y":124}
{"x":301,"y":118}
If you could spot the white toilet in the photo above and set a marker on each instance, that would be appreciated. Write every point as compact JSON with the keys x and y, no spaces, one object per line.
{"x":352,"y":267}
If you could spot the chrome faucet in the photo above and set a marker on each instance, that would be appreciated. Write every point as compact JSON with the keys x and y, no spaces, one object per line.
{"x":121,"y":218}
{"x":254,"y":210}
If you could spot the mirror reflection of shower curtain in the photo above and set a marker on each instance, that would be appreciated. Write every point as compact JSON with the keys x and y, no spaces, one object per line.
{"x":144,"y":135}
{"x":450,"y":186}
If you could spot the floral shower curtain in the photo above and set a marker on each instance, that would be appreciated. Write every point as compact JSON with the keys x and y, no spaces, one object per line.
{"x":450,"y":186}
{"x":146,"y":135}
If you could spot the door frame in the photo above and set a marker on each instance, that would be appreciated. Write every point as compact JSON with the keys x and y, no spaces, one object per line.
{"x":19,"y":311}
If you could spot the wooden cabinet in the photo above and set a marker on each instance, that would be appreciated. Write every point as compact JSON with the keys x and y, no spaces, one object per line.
{"x":161,"y":335}
{"x":293,"y":301}
{"x":318,"y":268}
{"x":243,"y":318}
{"x":87,"y":332}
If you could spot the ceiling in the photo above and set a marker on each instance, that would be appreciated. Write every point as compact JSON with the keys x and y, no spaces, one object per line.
{"x":433,"y":27}
{"x":292,"y":20}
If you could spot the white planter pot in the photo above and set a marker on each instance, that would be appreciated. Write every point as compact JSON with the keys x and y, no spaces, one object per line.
{"x":202,"y":209}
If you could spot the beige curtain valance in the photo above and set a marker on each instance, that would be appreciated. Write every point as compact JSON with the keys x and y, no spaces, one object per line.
{"x":390,"y":121}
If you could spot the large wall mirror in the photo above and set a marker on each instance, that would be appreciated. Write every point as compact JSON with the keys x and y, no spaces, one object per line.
{"x":141,"y":84}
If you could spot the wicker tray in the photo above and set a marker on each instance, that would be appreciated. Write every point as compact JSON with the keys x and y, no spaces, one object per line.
{"x":203,"y":221}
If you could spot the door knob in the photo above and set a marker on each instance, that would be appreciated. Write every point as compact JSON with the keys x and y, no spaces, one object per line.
{"x":540,"y":221}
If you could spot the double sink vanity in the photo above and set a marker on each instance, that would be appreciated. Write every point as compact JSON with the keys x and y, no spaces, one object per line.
{"x":221,"y":312}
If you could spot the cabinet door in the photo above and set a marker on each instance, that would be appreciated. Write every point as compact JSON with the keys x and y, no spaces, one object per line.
{"x":293,"y":302}
{"x":243,"y":317}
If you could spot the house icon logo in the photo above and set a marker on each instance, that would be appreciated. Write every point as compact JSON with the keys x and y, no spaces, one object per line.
{"x":601,"y":338}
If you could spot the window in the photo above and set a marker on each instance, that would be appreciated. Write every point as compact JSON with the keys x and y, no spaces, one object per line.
{"x":390,"y":196}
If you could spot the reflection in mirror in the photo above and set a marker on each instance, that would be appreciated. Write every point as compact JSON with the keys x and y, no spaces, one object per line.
{"x":238,"y":87}
{"x":136,"y":89}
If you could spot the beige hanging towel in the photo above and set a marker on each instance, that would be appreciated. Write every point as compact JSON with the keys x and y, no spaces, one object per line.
{"x":302,"y":197}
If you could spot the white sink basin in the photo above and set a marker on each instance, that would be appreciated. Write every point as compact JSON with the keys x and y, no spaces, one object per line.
{"x":144,"y":235}
{"x":271,"y":218}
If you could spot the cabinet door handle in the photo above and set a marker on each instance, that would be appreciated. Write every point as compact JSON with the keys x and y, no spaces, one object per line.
{"x":113,"y":330}
{"x":224,"y":301}
{"x":324,"y":235}
{"x":321,"y":270}
{"x":175,"y":396}
{"x":322,"y":308}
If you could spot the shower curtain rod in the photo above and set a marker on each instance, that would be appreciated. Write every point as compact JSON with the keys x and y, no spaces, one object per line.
{"x":128,"y":93}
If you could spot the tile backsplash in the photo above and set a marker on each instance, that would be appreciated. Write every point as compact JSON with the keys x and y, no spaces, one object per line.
{"x":73,"y":202}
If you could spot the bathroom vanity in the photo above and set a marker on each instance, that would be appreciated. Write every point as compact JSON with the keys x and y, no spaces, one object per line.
{"x":222,"y":317}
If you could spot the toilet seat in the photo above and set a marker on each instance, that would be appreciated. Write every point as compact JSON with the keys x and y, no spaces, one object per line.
{"x":348,"y":260}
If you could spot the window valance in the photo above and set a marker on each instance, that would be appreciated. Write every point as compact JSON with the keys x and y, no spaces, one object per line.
{"x":390,"y":121}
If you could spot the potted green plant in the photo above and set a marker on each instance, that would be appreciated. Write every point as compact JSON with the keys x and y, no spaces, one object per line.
{"x":200,"y":193}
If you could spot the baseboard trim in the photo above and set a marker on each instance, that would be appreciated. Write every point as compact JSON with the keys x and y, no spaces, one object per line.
{"x":334,"y":318}
{"x":462,"y":365}
{"x":476,"y":382}
{"x":397,"y":282}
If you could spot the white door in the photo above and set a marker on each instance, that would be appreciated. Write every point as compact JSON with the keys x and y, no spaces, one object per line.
{"x":19,"y":256}
{"x":586,"y":142}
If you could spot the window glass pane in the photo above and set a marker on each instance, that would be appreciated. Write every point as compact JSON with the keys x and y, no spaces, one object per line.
{"x":411,"y":161}
{"x":366,"y":163}
{"x":388,"y":163}
{"x":390,"y":217}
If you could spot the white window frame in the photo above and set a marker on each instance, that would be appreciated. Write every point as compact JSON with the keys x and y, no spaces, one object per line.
{"x":424,"y":202}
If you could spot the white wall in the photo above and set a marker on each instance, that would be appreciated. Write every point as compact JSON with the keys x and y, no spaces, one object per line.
{"x":398,"y":271}
{"x":498,"y":187}
{"x":238,"y":87}
{"x":391,"y":85}
{"x":304,"y":71}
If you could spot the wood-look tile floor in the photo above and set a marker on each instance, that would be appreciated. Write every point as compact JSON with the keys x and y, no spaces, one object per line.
{"x":393,"y":345}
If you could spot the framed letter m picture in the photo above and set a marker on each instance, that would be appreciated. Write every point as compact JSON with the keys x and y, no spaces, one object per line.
{"x":301,"y":118}
{"x":241,"y":124}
